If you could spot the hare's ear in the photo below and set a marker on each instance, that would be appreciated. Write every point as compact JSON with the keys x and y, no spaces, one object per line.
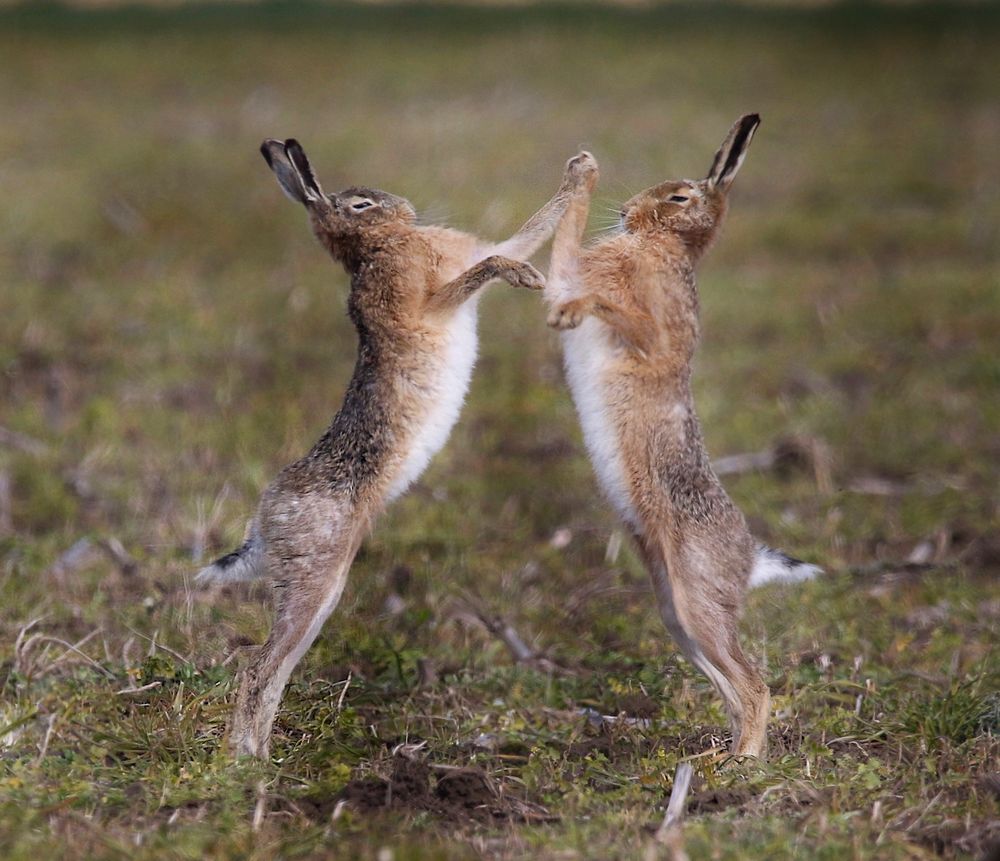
{"x":730,"y":156}
{"x":295,"y":174}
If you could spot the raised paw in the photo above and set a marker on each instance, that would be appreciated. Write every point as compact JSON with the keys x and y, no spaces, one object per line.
{"x":582,"y":170}
{"x":523,"y":275}
{"x":569,"y":315}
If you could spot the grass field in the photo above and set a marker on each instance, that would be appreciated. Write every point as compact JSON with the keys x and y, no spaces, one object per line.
{"x":170,"y":335}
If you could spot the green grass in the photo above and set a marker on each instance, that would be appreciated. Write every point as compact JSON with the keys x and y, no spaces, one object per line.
{"x":171,"y":335}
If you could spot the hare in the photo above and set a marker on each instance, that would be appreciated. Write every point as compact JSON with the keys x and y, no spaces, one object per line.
{"x":413,"y":298}
{"x":628,"y":308}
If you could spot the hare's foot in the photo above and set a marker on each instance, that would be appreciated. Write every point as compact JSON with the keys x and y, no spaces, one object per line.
{"x":582,"y":171}
{"x":519,"y":274}
{"x":569,"y":315}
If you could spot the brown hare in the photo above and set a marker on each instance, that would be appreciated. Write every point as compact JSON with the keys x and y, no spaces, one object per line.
{"x":629,"y":308}
{"x":413,"y":298}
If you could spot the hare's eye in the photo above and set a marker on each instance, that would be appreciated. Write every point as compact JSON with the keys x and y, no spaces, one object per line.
{"x":361,"y":204}
{"x":678,"y":198}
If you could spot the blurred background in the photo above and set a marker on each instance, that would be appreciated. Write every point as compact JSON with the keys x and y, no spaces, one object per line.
{"x":171,"y":335}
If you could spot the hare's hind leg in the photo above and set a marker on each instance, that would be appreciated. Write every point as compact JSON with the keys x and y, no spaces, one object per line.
{"x":307,"y":589}
{"x":704,"y":622}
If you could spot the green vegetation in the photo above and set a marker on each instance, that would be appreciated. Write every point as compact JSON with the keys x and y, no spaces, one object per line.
{"x":170,"y":335}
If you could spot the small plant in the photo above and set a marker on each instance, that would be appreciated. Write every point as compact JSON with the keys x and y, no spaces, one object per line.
{"x":968,"y":709}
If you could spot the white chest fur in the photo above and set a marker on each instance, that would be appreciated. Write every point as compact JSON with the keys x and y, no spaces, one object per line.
{"x":444,"y":397}
{"x":587,"y":355}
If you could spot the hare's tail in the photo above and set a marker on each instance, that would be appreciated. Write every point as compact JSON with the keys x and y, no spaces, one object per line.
{"x":240,"y":566}
{"x":773,"y":565}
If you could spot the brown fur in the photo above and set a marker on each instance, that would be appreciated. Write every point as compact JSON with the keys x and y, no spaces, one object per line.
{"x":408,"y":284}
{"x":640,"y":285}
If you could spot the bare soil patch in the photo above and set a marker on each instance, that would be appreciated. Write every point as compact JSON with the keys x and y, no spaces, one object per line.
{"x":460,"y":793}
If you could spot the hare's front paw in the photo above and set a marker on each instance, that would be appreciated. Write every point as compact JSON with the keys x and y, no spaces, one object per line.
{"x":569,"y":315}
{"x":524,"y":275}
{"x":582,"y":170}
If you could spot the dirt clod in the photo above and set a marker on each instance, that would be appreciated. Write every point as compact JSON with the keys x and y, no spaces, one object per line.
{"x":466,"y":787}
{"x":410,"y":780}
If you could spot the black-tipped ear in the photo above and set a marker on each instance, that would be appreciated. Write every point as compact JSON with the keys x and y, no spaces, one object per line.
{"x":729,"y":158}
{"x":293,"y":171}
{"x":304,"y":169}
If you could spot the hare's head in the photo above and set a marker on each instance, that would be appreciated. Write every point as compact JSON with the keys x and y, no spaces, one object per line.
{"x":340,"y":219}
{"x":692,"y":209}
